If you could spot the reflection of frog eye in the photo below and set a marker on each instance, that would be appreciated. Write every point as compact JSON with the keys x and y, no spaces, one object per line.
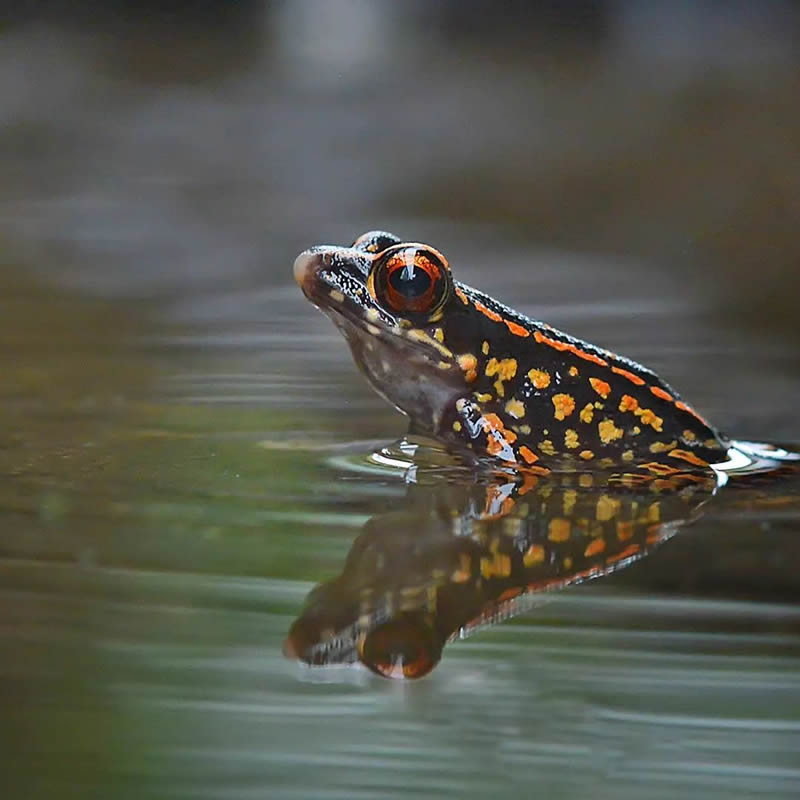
{"x":411,"y":279}
{"x":405,"y":648}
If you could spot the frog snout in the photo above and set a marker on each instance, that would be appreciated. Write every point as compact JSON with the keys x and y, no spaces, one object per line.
{"x":305,"y":265}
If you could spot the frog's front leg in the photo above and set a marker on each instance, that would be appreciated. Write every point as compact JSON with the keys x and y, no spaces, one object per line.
{"x":485,"y":432}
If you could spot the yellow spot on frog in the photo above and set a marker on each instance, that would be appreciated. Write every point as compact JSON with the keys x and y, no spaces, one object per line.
{"x":627,"y":455}
{"x":515,"y":408}
{"x":337,"y":296}
{"x":558,"y":530}
{"x":525,"y":430}
{"x":482,"y":397}
{"x":456,"y":426}
{"x":649,"y":417}
{"x":586,"y":455}
{"x":468,"y":363}
{"x":372,"y":313}
{"x":539,"y":378}
{"x":587,"y":412}
{"x":571,"y":439}
{"x":564,"y":405}
{"x":636,"y":430}
{"x":628,"y":403}
{"x":438,"y":334}
{"x":573,"y":371}
{"x":485,"y":348}
{"x":504,"y":369}
{"x":608,"y":431}
{"x":689,"y":436}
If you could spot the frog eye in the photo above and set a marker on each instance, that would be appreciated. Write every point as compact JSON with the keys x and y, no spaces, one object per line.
{"x":411,"y":279}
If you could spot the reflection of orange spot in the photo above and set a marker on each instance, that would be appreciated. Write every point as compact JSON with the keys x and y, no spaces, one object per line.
{"x":658,"y":392}
{"x":594,"y":547}
{"x":529,"y":456}
{"x":494,"y":509}
{"x":564,"y":405}
{"x":509,"y":594}
{"x":628,"y":403}
{"x":533,"y":555}
{"x":635,"y":379}
{"x":517,"y":330}
{"x":626,"y":553}
{"x":486,"y":312}
{"x":529,"y":482}
{"x":601,"y":387}
{"x":685,"y":455}
{"x":534,"y":471}
{"x":558,"y":529}
{"x":659,"y":469}
{"x":624,"y":530}
{"x":564,"y":346}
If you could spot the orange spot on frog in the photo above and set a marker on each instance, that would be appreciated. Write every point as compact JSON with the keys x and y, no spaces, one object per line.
{"x":601,"y":387}
{"x":539,"y":378}
{"x":564,"y":405}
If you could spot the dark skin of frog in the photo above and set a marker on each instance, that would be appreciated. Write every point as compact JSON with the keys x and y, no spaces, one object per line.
{"x":480,"y":376}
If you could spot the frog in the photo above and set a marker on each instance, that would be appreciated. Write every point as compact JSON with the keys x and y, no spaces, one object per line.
{"x":487,"y":380}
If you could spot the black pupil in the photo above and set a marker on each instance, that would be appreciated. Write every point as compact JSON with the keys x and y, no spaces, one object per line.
{"x":410,"y":281}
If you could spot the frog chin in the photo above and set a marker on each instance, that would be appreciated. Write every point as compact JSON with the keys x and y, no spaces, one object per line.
{"x":408,"y":376}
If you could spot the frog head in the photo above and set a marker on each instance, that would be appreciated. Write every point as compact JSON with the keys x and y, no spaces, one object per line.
{"x":393,"y":302}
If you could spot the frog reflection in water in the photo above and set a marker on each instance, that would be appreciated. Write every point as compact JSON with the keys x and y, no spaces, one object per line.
{"x":596,"y":445}
{"x":461,"y":556}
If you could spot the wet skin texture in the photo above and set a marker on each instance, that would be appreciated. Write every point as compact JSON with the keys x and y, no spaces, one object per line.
{"x":478,"y":375}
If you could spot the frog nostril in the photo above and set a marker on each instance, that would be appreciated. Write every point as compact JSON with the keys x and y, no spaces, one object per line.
{"x":305,"y":265}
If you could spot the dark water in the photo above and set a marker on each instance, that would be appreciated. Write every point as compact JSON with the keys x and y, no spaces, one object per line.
{"x":180,"y":426}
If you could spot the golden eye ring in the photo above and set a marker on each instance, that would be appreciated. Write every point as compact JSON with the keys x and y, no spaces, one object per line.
{"x":411,"y":280}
